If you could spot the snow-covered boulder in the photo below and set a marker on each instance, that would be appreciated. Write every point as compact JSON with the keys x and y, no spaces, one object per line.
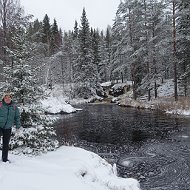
{"x":57,"y":104}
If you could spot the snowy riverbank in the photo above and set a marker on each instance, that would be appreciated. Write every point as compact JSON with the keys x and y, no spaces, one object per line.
{"x":57,"y":102}
{"x":164,"y":102}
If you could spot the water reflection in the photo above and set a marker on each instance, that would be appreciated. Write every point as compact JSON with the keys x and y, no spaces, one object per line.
{"x":117,"y":125}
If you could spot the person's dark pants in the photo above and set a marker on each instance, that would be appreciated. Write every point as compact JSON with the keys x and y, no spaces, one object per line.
{"x":6,"y":133}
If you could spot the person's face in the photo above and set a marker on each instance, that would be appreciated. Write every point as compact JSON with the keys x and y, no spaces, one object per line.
{"x":7,"y":99}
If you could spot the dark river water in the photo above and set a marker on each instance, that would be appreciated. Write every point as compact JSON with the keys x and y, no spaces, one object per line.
{"x":150,"y":146}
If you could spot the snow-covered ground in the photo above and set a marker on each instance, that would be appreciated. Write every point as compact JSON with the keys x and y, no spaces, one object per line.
{"x":67,"y":168}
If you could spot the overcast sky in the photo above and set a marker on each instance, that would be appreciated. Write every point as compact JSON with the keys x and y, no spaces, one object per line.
{"x":100,"y":13}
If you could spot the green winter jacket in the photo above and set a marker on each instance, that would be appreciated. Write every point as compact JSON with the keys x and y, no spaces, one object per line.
{"x":9,"y":115}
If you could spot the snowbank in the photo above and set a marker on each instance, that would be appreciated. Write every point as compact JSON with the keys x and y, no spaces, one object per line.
{"x":68,"y":168}
{"x":106,"y":84}
{"x":179,"y":112}
{"x":57,"y":104}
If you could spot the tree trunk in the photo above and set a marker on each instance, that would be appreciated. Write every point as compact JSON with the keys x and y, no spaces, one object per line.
{"x":174,"y":52}
{"x":149,"y":97}
{"x":155,"y":89}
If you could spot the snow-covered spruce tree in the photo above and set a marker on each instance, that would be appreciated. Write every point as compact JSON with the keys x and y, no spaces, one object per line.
{"x":105,"y":55}
{"x":46,"y":30}
{"x":183,"y":44}
{"x":96,"y":61}
{"x":22,"y":81}
{"x":56,"y":38}
{"x":85,"y":76}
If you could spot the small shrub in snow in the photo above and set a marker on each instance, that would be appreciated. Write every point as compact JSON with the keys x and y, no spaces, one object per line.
{"x":34,"y":140}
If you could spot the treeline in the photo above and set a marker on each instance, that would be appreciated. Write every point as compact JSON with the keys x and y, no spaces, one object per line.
{"x":148,"y":42}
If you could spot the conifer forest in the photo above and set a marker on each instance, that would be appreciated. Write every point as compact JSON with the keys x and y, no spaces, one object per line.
{"x":148,"y":42}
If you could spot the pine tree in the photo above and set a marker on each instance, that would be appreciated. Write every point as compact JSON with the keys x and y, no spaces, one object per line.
{"x":129,"y":39}
{"x":95,"y":45}
{"x":86,"y":72}
{"x":55,"y":38}
{"x":107,"y":58}
{"x":10,"y":12}
{"x":183,"y":44}
{"x":37,"y":25}
{"x":21,"y":75}
{"x":141,"y":32}
{"x":105,"y":55}
{"x":46,"y":30}
{"x":76,"y":30}
{"x":23,"y":82}
{"x":34,"y":31}
{"x":60,"y":37}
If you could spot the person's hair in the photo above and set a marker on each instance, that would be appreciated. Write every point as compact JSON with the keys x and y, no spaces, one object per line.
{"x":7,"y":94}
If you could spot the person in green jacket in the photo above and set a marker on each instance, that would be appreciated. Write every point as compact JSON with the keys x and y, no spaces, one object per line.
{"x":9,"y":116}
